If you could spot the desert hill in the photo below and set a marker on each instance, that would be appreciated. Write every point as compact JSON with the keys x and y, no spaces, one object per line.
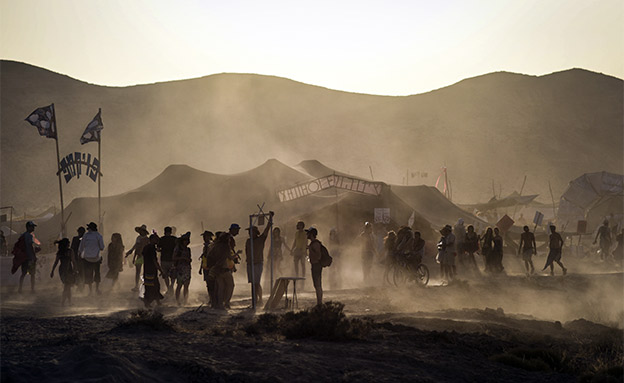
{"x":499,"y":126}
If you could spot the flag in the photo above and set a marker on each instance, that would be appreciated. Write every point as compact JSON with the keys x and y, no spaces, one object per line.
{"x":45,"y":121}
{"x":92,"y":132}
{"x":410,"y":221}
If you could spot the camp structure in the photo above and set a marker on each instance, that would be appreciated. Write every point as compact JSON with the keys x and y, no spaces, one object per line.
{"x":434,"y":206}
{"x":592,"y":197}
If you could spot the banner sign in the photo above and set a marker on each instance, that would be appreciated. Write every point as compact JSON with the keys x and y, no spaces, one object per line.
{"x":382,"y":215}
{"x":341,"y":182}
{"x":538,"y":218}
{"x":505,"y":223}
{"x":73,"y":163}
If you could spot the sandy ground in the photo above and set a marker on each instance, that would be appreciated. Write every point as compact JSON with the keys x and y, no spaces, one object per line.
{"x":485,"y":329}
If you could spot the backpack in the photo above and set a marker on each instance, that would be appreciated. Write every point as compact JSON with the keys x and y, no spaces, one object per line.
{"x":326,"y":259}
{"x":20,"y":246}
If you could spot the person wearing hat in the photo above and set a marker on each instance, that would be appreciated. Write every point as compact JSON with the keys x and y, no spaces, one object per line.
{"x":65,"y":256}
{"x":90,"y":246}
{"x":233,"y":231}
{"x":314,"y":255}
{"x":29,"y":264}
{"x":258,"y":256}
{"x":150,"y":272}
{"x":446,"y":253}
{"x":137,"y":259}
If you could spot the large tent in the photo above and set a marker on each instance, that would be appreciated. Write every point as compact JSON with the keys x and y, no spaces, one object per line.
{"x":592,"y":197}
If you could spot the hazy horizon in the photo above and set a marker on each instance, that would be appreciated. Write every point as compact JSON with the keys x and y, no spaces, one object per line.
{"x":371,"y":48}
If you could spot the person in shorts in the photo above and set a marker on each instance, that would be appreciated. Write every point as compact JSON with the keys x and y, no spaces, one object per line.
{"x":528,"y":248}
{"x":166,"y":246}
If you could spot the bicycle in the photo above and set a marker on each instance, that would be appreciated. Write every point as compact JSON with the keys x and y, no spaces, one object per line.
{"x":402,"y":269}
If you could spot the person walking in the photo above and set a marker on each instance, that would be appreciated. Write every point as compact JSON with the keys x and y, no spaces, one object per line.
{"x":497,"y":252}
{"x":182,"y":258}
{"x":137,"y":259}
{"x":79,"y":268}
{"x":90,"y":246}
{"x":115,"y":258}
{"x":206,"y":263}
{"x":555,"y":244}
{"x":166,"y":246}
{"x":151,"y":268}
{"x":65,"y":256}
{"x":29,"y":263}
{"x":604,"y":233}
{"x":528,"y":248}
{"x":314,"y":255}
{"x":471,"y":246}
{"x":224,"y":263}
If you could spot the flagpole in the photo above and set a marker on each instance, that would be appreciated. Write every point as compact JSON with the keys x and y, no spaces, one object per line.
{"x":100,"y":179}
{"x":58,"y":167}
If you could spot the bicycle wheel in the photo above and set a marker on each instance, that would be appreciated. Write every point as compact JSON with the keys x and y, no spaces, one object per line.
{"x":422,"y":275}
{"x":398,"y":277}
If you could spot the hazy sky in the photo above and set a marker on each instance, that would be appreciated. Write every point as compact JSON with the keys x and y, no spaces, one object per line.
{"x":379,"y":47}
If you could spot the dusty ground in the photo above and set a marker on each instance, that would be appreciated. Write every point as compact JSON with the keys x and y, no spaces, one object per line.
{"x":488,"y":329}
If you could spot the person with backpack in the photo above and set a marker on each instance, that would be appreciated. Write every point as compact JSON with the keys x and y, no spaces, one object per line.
{"x":25,"y":250}
{"x":90,"y":246}
{"x":314,"y":255}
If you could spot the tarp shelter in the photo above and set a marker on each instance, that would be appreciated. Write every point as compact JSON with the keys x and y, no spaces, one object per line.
{"x":592,"y":197}
{"x":434,"y":206}
{"x":514,"y":199}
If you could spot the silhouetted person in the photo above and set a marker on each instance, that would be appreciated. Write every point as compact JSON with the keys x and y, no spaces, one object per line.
{"x":224,"y":263}
{"x":79,"y":265}
{"x":151,"y":268}
{"x":471,"y":246}
{"x":278,"y":252}
{"x":115,"y":258}
{"x":90,"y":246}
{"x":31,"y":247}
{"x":497,"y":252}
{"x":137,"y":259}
{"x":368,"y":249}
{"x":604,"y":233}
{"x":618,"y":253}
{"x":314,"y":254}
{"x":298,"y":249}
{"x":65,"y":256}
{"x":182,"y":259}
{"x":555,"y":244}
{"x":459,"y":230}
{"x":528,"y":248}
{"x":207,"y":263}
{"x":166,"y":245}
{"x":258,"y":256}
{"x":487,"y":243}
{"x":446,"y":253}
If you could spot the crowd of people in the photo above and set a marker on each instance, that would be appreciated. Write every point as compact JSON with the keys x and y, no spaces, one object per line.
{"x":168,"y":257}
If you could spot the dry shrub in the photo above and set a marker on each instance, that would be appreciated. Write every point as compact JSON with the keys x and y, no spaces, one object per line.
{"x":531,"y":359}
{"x":324,"y":322}
{"x":145,"y":320}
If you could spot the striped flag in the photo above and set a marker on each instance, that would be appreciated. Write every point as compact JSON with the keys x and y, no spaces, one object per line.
{"x":45,"y":121}
{"x":93,"y":130}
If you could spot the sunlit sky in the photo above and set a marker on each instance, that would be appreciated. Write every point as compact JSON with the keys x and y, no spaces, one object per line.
{"x":378,"y":47}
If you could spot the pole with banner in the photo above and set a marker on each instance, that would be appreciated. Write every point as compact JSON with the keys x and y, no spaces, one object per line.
{"x":93,"y":132}
{"x":44,"y":119}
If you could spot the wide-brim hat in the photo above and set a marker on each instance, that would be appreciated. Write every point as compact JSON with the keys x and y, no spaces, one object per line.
{"x":141,"y":229}
{"x":234,"y":226}
{"x":312,"y":230}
